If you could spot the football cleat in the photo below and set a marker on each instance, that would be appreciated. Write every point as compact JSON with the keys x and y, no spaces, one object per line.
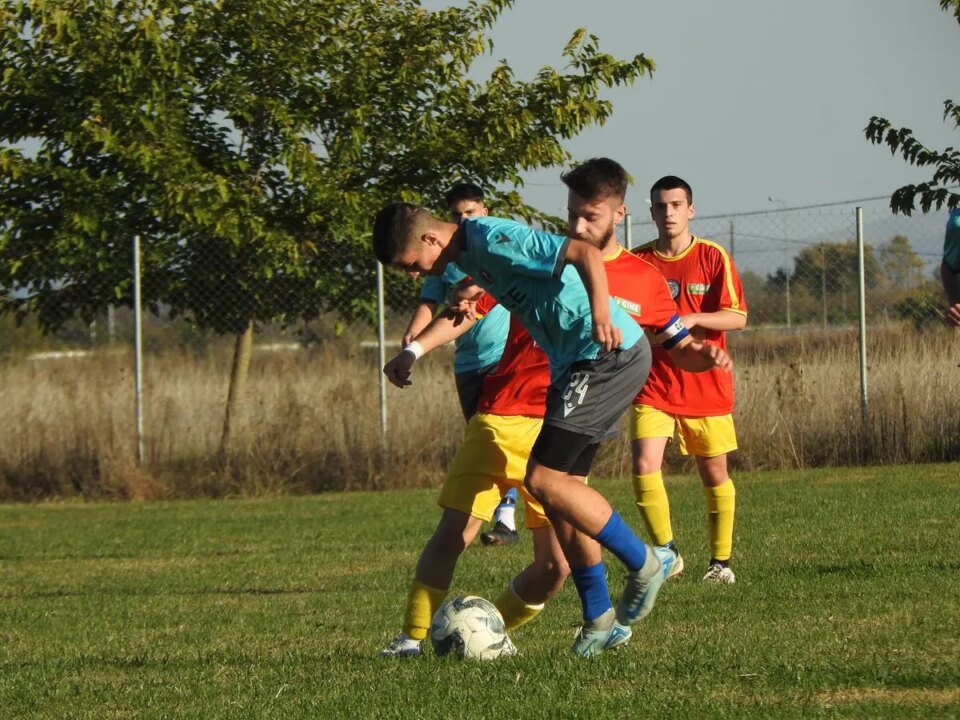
{"x":402,"y":646}
{"x":675,"y":563}
{"x":499,"y":534}
{"x":640,"y":593}
{"x":719,"y":574}
{"x":589,"y":643}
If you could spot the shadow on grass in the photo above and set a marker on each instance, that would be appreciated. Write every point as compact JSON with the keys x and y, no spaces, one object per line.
{"x":127,"y":592}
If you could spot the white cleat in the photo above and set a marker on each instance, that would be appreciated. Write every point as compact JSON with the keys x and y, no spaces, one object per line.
{"x":720,"y":575}
{"x":402,"y":646}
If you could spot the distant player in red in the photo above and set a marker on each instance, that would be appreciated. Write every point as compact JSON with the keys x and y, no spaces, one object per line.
{"x":698,"y":407}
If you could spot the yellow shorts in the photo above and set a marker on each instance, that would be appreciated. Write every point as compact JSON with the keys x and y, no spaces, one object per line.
{"x":491,"y":459}
{"x":702,"y":436}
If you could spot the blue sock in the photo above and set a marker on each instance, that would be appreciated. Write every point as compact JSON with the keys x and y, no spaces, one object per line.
{"x":510,"y":496}
{"x":591,"y":583}
{"x":617,"y":537}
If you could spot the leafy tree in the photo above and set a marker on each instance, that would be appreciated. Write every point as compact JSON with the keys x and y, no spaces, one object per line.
{"x":901,"y":265}
{"x":249,"y":143}
{"x":834,"y":264}
{"x":935,"y":192}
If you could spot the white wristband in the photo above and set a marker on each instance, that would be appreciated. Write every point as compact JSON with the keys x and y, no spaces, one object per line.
{"x":415,"y":349}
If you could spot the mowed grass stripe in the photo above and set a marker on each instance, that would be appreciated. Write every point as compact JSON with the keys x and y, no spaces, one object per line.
{"x":847,"y":605}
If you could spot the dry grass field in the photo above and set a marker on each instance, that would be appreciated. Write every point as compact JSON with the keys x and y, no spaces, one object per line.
{"x":310,"y":420}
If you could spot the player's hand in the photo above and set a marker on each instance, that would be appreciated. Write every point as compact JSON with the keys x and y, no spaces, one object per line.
{"x":606,"y":333}
{"x":953,"y":315}
{"x":463,"y":310}
{"x":718,"y":357}
{"x":398,"y":369}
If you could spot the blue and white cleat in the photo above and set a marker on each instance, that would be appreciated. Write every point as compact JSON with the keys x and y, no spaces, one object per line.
{"x":589,"y":643}
{"x":640,"y":592}
{"x":675,"y":561}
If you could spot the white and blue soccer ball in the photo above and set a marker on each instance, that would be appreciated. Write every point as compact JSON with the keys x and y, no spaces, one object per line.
{"x":470,"y":628}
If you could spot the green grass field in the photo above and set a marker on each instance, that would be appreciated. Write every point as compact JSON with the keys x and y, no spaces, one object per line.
{"x":847,"y":605}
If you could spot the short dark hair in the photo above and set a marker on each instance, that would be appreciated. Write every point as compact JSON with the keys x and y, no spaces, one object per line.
{"x":463,"y":191}
{"x":597,"y":178}
{"x":672,"y":182}
{"x":392,"y":228}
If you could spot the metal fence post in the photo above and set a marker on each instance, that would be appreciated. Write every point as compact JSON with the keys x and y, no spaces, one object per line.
{"x":861,"y":272}
{"x":381,"y":358}
{"x":138,"y":348}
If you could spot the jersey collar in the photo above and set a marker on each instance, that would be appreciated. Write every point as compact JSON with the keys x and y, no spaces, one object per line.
{"x":674,"y":258}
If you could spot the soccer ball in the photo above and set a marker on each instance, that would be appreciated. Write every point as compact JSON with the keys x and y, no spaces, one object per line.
{"x":470,"y":628}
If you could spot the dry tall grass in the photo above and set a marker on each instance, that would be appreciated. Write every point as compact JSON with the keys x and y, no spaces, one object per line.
{"x":311,"y":418}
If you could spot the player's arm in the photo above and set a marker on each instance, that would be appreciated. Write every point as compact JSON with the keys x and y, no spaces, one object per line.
{"x":588,"y":261}
{"x":444,"y":328}
{"x":951,"y":286}
{"x":421,"y":317}
{"x":695,"y":356}
{"x":722,"y":320}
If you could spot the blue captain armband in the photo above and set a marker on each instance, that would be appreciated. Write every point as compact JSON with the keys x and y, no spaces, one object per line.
{"x":672,"y":333}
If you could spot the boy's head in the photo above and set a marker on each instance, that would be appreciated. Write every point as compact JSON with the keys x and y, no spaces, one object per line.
{"x":465,"y":200}
{"x":596,"y":190}
{"x":671,"y":206}
{"x":410,"y":238}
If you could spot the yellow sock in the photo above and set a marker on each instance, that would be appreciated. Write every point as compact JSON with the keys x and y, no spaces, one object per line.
{"x":721,"y":503}
{"x":654,"y":506}
{"x":422,"y":603}
{"x":514,"y":610}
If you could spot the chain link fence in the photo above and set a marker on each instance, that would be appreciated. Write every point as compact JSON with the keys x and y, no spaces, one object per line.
{"x":309,"y":409}
{"x":799,"y":265}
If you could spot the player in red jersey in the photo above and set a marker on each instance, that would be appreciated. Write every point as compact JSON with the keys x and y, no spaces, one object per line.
{"x":595,"y":206}
{"x":492,"y":457}
{"x":706,"y":286}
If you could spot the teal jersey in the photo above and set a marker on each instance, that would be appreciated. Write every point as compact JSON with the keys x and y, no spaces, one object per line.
{"x":951,"y":241}
{"x":524,"y":270}
{"x":482,"y":345}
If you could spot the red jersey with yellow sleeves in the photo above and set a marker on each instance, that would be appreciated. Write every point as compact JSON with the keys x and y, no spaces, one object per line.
{"x":701,"y":279}
{"x":519,"y":384}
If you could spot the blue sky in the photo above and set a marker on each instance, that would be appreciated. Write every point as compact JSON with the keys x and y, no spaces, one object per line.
{"x":752,"y":98}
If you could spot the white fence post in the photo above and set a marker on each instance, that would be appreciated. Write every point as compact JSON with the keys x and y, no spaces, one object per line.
{"x":138,"y":348}
{"x":381,"y":358}
{"x":861,"y":272}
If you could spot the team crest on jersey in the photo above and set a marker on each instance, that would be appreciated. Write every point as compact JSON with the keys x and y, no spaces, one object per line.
{"x":698,"y":288}
{"x":674,"y":287}
{"x":631,"y":307}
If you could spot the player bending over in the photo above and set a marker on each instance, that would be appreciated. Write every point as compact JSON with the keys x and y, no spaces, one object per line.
{"x":599,"y":359}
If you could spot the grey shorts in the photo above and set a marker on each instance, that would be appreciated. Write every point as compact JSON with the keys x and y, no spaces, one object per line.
{"x":469,"y":387}
{"x":590,"y":399}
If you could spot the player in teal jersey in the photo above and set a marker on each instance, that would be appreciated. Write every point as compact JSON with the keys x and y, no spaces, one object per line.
{"x":950,"y":267}
{"x":476,"y":353}
{"x":599,"y":360}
